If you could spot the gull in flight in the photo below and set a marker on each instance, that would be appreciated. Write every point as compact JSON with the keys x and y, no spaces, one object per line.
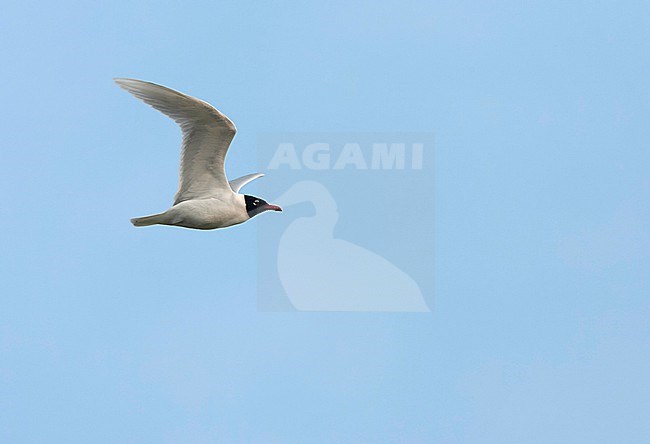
{"x":205,"y":199}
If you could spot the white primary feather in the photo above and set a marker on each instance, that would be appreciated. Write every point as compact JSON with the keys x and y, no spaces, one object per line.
{"x":237,"y":184}
{"x":207,"y":134}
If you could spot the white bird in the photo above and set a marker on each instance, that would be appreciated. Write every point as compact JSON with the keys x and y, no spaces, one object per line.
{"x":205,"y":199}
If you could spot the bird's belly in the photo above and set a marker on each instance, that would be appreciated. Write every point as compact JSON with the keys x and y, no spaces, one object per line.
{"x":206,"y":214}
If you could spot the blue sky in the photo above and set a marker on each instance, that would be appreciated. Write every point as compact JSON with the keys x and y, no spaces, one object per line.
{"x":539,"y":331}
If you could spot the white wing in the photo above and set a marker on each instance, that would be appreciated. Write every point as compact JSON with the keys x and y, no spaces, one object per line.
{"x":237,"y":184}
{"x":206,"y":137}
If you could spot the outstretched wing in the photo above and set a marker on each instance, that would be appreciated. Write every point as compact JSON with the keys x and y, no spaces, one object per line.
{"x":237,"y":184}
{"x":206,"y":137}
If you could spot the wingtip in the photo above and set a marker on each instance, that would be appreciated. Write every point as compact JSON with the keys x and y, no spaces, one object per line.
{"x":124,"y":80}
{"x":121,"y":81}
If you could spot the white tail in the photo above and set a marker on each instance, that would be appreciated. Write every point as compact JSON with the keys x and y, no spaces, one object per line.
{"x":147,"y":220}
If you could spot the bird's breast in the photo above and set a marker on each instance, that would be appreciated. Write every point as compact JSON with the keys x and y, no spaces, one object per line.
{"x":207,"y":214}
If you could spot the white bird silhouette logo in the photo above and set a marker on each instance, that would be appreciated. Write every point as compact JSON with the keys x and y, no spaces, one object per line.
{"x":322,"y":273}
